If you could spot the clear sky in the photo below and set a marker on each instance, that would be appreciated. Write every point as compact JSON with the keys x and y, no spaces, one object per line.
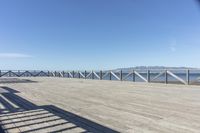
{"x":98,"y":34}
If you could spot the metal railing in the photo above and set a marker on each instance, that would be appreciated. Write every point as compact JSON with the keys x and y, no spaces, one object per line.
{"x":150,"y":76}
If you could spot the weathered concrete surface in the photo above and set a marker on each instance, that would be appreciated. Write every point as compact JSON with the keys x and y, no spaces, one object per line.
{"x":121,"y":106}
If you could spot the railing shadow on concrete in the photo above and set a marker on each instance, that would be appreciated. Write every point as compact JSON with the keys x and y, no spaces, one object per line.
{"x":20,"y":115}
{"x":10,"y":80}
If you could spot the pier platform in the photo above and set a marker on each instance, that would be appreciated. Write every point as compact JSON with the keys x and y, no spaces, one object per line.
{"x":53,"y":104}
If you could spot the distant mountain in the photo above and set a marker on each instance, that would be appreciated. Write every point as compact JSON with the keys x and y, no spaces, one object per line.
{"x":153,"y":68}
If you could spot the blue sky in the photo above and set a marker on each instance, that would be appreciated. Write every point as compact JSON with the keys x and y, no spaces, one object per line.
{"x":98,"y":34}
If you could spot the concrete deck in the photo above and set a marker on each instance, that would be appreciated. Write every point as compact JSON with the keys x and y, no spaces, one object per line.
{"x":76,"y":105}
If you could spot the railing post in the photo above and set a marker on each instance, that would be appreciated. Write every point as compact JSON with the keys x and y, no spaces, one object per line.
{"x":9,"y":73}
{"x":55,"y":73}
{"x":148,"y":76}
{"x":121,"y":75}
{"x":110,"y":76}
{"x":92,"y":74}
{"x":85,"y":74}
{"x":63,"y":74}
{"x":18,"y":73}
{"x":166,"y":77}
{"x":48,"y":74}
{"x":79,"y":75}
{"x":133,"y":75}
{"x":73,"y":74}
{"x":101,"y":75}
{"x":59,"y":74}
{"x":188,"y":76}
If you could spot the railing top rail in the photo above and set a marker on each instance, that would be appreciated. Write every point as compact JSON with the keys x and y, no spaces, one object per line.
{"x":26,"y":70}
{"x":105,"y":70}
{"x":154,"y":69}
